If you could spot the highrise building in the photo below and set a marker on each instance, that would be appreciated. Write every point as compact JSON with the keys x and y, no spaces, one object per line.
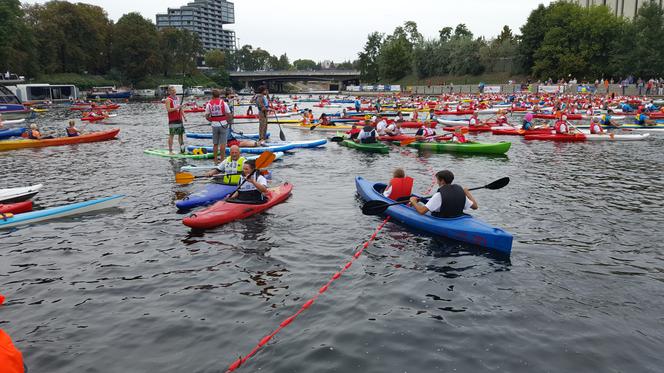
{"x":206,"y":18}
{"x":622,"y":8}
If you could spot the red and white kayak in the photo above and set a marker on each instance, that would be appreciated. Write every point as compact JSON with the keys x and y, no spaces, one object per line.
{"x":587,"y":137}
{"x":224,"y":212}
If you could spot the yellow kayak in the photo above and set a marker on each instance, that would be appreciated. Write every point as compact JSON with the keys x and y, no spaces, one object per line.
{"x":282,"y":121}
{"x":339,"y":127}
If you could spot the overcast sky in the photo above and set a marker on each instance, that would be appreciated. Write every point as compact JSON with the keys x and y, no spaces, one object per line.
{"x":337,"y":30}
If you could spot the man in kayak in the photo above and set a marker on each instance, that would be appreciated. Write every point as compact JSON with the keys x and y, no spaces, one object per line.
{"x":176,"y":119}
{"x":393,"y":129}
{"x":474,"y":120}
{"x":449,"y":201}
{"x":381,"y":125}
{"x":367,"y":135}
{"x":606,"y":119}
{"x":231,"y":167}
{"x":263,"y":105}
{"x":642,"y":119}
{"x":217,"y":112}
{"x":595,"y":127}
{"x":562,"y":126}
{"x":253,"y":185}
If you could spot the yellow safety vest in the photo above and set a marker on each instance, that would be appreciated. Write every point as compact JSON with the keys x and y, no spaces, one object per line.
{"x":234,"y":179}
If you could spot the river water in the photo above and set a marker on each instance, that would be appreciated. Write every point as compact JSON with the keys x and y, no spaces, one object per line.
{"x":133,"y":290}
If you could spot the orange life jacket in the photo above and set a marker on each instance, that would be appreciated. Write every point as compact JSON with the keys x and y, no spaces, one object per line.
{"x":401,"y":187}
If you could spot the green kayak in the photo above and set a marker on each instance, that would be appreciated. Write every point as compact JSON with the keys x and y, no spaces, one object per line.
{"x":468,"y":148}
{"x":164,"y":153}
{"x":371,"y":148}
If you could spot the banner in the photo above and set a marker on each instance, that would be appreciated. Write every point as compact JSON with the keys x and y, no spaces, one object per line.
{"x":548,"y":89}
{"x":586,"y":88}
{"x":492,"y":89}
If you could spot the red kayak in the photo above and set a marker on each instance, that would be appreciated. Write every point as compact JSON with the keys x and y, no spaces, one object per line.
{"x":224,"y":212}
{"x":658,"y":115}
{"x":412,"y":124}
{"x":94,"y":118}
{"x":16,"y":208}
{"x":557,"y":137}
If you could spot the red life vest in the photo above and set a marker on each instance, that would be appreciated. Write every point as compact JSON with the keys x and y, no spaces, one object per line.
{"x":558,"y":125}
{"x":176,"y":115}
{"x":401,"y":187}
{"x":217,"y":110}
{"x":460,"y":137}
{"x":501,"y":119}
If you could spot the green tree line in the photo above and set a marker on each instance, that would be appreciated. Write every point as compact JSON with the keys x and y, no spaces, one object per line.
{"x":557,"y":41}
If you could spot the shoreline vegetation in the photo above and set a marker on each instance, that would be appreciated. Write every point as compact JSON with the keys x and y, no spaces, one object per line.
{"x":62,"y":42}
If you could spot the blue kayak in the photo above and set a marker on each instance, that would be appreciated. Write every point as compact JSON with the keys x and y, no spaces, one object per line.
{"x":60,"y":211}
{"x":464,"y":228}
{"x":253,"y":136}
{"x":273,"y":147}
{"x":12,"y":132}
{"x":209,"y":194}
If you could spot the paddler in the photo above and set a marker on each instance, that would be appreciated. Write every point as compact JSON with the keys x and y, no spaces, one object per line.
{"x":425,"y":132}
{"x":253,"y":185}
{"x":33,"y":132}
{"x":400,"y":186}
{"x":393,"y":129}
{"x":217,"y":112}
{"x":367,"y":135}
{"x":231,"y":167}
{"x":176,"y":119}
{"x":606,"y":119}
{"x":595,"y":127}
{"x":353,"y":132}
{"x":71,"y":129}
{"x":474,"y":120}
{"x":642,"y":119}
{"x":263,"y":105}
{"x":449,"y":201}
{"x":501,"y":118}
{"x":380,"y":124}
{"x":324,"y":120}
{"x":457,"y":136}
{"x":527,"y":122}
{"x":562,"y":126}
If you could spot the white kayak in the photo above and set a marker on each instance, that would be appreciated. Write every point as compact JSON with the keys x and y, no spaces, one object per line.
{"x":60,"y":211}
{"x":13,"y":195}
{"x":487,"y":111}
{"x":451,"y":122}
{"x":615,"y":137}
{"x":14,"y":121}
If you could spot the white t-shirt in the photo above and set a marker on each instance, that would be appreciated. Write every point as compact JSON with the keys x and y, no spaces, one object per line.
{"x":365,"y":135}
{"x":472,"y":121}
{"x":434,"y":203}
{"x":216,"y":110}
{"x":247,"y":187}
{"x":392,"y":128}
{"x":380,"y":127}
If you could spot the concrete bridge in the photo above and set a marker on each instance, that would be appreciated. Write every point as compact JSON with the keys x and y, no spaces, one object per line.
{"x":275,"y":79}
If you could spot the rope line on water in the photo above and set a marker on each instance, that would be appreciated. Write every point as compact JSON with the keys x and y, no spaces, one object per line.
{"x":242,"y":359}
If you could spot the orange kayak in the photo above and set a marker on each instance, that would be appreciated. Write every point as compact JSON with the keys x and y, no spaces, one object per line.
{"x":28,"y":143}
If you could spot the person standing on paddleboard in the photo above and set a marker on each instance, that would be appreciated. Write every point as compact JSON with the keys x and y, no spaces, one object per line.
{"x":175,"y":119}
{"x":449,"y":201}
{"x":263,"y":105}
{"x":217,"y":112}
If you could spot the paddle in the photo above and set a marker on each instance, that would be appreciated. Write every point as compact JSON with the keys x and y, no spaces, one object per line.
{"x":265,"y":159}
{"x":282,"y":136}
{"x":378,"y":207}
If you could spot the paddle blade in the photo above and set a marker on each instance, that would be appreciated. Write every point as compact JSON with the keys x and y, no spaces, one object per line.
{"x":265,"y":159}
{"x":337,"y":139}
{"x":374,"y":207}
{"x":312,"y":128}
{"x":407,"y":142}
{"x":500,"y":183}
{"x":184,"y":178}
{"x":282,"y":136}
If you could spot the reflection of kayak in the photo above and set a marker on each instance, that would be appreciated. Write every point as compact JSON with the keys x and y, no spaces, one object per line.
{"x":224,"y":212}
{"x":12,"y":195}
{"x":28,"y":143}
{"x":16,"y":208}
{"x":277,"y":155}
{"x":61,"y":211}
{"x":377,"y":147}
{"x":273,"y":147}
{"x":468,"y":147}
{"x":464,"y":228}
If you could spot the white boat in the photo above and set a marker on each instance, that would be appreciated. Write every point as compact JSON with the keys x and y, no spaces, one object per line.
{"x":12,"y":195}
{"x":145,"y":92}
{"x":196,"y":91}
{"x":615,"y":137}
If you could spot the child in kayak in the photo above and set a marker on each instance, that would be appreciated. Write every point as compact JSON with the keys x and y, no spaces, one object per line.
{"x":353,"y":132}
{"x":253,"y":185}
{"x":71,"y":129}
{"x":400,"y":186}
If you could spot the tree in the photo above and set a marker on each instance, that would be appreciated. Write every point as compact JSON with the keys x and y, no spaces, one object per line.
{"x":445,"y":34}
{"x":414,"y":36}
{"x":462,"y":31}
{"x":215,"y":59}
{"x":135,"y":47}
{"x":648,"y":46}
{"x":532,"y":35}
{"x":188,"y":49}
{"x":369,"y":57}
{"x":284,"y":63}
{"x":304,"y":65}
{"x":18,"y":52}
{"x":395,"y":56}
{"x":505,"y":35}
